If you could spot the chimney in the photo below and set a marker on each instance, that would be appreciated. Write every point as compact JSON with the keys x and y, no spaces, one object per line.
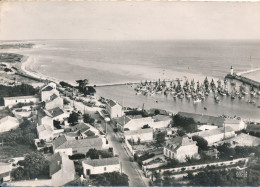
{"x":81,"y":178}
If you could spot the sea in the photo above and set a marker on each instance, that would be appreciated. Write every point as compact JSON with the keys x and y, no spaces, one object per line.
{"x":107,"y":62}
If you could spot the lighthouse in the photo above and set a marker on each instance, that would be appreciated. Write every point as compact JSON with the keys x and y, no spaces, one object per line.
{"x":231,"y":71}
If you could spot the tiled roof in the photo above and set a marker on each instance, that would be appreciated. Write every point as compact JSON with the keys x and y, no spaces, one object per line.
{"x":42,"y":113}
{"x":44,"y":127}
{"x":208,"y":133}
{"x":59,"y":141}
{"x":56,"y":111}
{"x":140,"y":131}
{"x":102,"y":162}
{"x":22,"y":97}
{"x":55,"y":163}
{"x":89,"y":133}
{"x":111,"y":103}
{"x":90,"y":142}
{"x":53,"y":96}
{"x":177,"y":142}
{"x":47,"y":88}
{"x":123,"y":120}
{"x":80,"y":126}
{"x":232,"y":121}
{"x":199,"y":118}
{"x":161,"y":118}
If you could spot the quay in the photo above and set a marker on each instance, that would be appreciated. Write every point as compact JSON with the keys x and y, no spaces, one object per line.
{"x":243,"y":79}
{"x":130,"y":83}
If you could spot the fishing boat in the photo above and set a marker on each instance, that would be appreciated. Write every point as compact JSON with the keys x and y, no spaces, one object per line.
{"x":197,"y":100}
{"x":138,"y":92}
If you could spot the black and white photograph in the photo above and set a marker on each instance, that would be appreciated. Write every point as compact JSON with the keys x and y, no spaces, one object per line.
{"x":129,"y":93}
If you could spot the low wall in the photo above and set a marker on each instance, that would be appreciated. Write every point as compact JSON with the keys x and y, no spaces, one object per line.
{"x":201,"y":166}
{"x":129,"y":147}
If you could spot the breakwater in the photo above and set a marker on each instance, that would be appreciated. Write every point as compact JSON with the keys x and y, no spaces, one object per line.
{"x":245,"y":80}
{"x":30,"y":77}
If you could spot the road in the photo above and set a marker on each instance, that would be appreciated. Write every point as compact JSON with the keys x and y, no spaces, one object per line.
{"x":131,"y":169}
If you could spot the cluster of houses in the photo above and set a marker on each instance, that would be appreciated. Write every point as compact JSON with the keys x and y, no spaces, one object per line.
{"x":65,"y":141}
{"x":51,"y":117}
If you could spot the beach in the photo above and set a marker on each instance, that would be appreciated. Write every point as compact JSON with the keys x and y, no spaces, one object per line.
{"x":103,"y":64}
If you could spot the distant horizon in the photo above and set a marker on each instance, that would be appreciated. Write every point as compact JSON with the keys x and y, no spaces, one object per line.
{"x":129,"y":40}
{"x":129,"y":21}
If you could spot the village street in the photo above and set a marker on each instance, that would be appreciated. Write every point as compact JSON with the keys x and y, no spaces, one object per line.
{"x":135,"y":174}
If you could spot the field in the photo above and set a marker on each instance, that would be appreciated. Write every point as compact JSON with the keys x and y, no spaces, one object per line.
{"x":7,"y":152}
{"x":10,"y":57}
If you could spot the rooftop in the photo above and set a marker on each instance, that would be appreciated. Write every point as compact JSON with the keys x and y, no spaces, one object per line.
{"x":177,"y":142}
{"x":102,"y":162}
{"x":162,"y":118}
{"x":88,"y":142}
{"x":112,"y":103}
{"x":47,"y":88}
{"x":80,"y":126}
{"x":22,"y":97}
{"x":59,"y":141}
{"x":208,"y":133}
{"x":140,"y":131}
{"x":204,"y":119}
{"x":56,"y":111}
{"x":55,"y":163}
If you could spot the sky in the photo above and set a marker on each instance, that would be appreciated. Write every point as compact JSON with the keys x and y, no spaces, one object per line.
{"x":129,"y":20}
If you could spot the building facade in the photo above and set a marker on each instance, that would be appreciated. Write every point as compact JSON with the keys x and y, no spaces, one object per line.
{"x":100,"y":166}
{"x":179,"y":148}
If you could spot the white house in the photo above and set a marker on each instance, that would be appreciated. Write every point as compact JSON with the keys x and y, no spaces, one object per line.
{"x":10,"y":101}
{"x":54,"y":102}
{"x":61,"y":169}
{"x":7,"y":123}
{"x":142,"y":134}
{"x":114,"y":109}
{"x":45,"y":132}
{"x":235,"y":124}
{"x":58,"y":114}
{"x":215,"y":135}
{"x":180,"y":147}
{"x":100,"y":166}
{"x":5,"y":171}
{"x":47,"y":91}
{"x":206,"y":127}
{"x":68,"y":146}
{"x":133,"y":122}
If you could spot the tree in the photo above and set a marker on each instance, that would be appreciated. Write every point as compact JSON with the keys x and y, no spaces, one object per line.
{"x":180,"y":132}
{"x":160,"y":138}
{"x":201,"y":142}
{"x":18,"y":174}
{"x":173,"y":162}
{"x":94,"y":154}
{"x":88,"y":119}
{"x":225,"y":151}
{"x":73,"y":118}
{"x":146,"y":126}
{"x":111,"y":179}
{"x":188,"y":124}
{"x":36,"y":165}
{"x":82,"y":84}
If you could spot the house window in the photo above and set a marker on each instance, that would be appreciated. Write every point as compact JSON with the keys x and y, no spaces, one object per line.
{"x":16,"y":101}
{"x":74,"y":151}
{"x":105,"y":168}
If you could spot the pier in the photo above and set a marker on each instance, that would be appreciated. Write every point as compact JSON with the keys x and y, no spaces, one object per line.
{"x":249,"y":71}
{"x":130,"y":83}
{"x":239,"y":76}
